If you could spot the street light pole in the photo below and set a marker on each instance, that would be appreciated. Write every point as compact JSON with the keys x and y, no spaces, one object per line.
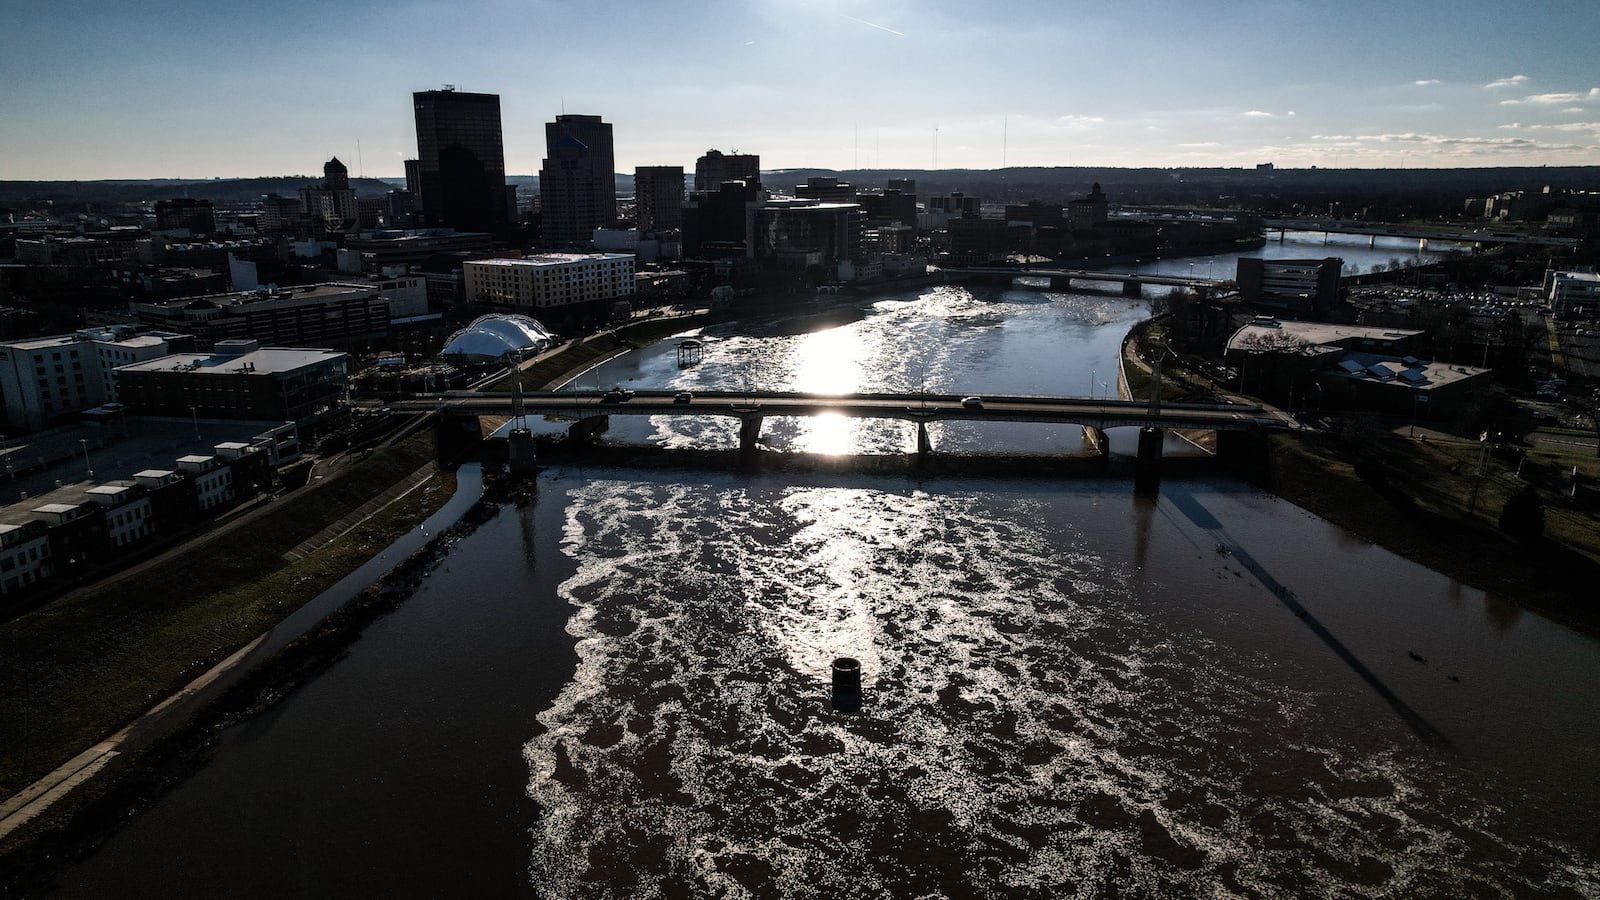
{"x":194,"y":419}
{"x":84,"y":443}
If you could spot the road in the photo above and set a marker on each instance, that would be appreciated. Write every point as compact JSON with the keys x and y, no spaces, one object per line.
{"x":909,"y":407}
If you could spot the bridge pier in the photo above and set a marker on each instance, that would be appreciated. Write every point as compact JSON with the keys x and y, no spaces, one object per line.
{"x":1372,"y":241}
{"x":519,"y":451}
{"x":1132,"y":288}
{"x":924,"y":445}
{"x":1060,"y":283}
{"x":1147,"y":466}
{"x":749,"y":434}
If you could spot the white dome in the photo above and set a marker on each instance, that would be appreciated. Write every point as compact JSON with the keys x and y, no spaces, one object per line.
{"x":494,"y":338}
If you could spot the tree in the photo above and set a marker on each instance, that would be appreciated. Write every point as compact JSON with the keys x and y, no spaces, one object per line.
{"x":1523,"y":515}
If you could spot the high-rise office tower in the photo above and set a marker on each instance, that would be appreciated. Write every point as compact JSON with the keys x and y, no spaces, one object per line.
{"x":658,"y":197}
{"x":578,"y":183}
{"x":461,"y":163}
{"x":716,"y":167}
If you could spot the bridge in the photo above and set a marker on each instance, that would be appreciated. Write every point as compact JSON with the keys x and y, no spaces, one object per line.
{"x":1062,"y":279}
{"x":590,"y":409}
{"x":1423,"y":235}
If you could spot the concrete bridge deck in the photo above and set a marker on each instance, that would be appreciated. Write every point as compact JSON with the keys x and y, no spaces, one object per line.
{"x":911,"y":407}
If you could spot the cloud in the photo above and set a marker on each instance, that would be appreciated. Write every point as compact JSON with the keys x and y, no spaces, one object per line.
{"x":1256,"y":113}
{"x":1556,"y":98}
{"x":1202,"y":144}
{"x":1424,"y":82}
{"x":1564,"y":126}
{"x":1507,"y":82}
{"x":1443,"y":143}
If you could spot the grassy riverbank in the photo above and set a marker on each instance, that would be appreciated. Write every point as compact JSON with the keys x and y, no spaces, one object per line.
{"x":77,"y":669}
{"x":1426,"y":501}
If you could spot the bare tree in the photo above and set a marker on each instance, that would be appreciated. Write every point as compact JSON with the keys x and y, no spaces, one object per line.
{"x":1273,"y":342}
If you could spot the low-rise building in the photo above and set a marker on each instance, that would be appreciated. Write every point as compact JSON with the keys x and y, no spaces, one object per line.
{"x":24,"y":556}
{"x":127,"y":510}
{"x":550,"y":280}
{"x":1569,"y":292}
{"x":317,"y":315}
{"x":240,"y":380}
{"x":1324,"y":366}
{"x":1294,"y":287}
{"x":44,"y":380}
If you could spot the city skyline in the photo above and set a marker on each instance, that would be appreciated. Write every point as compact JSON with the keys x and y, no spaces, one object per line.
{"x":189,"y":90}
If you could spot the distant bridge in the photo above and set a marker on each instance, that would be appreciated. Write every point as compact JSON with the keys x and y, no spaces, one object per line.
{"x":1377,"y":230}
{"x":1062,"y":279}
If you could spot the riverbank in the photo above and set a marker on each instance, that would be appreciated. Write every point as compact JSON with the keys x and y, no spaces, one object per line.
{"x":96,"y":811}
{"x":77,"y":669}
{"x":1424,"y":500}
{"x":1427,"y":500}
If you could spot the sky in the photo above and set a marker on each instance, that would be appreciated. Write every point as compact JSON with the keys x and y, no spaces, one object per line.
{"x":185,"y":89}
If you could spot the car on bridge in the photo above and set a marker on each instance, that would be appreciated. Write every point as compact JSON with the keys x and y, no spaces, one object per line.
{"x":972,"y":402}
{"x":616,"y":395}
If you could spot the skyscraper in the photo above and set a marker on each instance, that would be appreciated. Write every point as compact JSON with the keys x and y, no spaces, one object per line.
{"x":711,"y":170}
{"x":577,"y":184}
{"x":461,"y":163}
{"x":658,"y":197}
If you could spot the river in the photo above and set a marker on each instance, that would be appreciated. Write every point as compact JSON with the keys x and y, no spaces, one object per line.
{"x":621,"y":689}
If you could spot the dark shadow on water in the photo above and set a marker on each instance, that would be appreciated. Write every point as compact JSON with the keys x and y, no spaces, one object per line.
{"x":1186,"y":503}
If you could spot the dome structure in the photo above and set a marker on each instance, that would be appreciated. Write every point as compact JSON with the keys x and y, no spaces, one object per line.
{"x":494,"y":338}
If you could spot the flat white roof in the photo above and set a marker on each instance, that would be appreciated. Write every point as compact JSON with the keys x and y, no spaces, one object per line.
{"x":266,"y":361}
{"x":545,"y":260}
{"x":55,"y":508}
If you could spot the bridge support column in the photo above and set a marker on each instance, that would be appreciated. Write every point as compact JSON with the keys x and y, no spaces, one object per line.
{"x":1060,"y":283}
{"x":1132,"y":288}
{"x":749,"y":434}
{"x":924,"y":446}
{"x":1147,"y":466}
{"x":519,"y":453}
{"x":1372,"y":241}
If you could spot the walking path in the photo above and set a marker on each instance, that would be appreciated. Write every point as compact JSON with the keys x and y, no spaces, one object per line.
{"x":358,"y":515}
{"x":39,"y":796}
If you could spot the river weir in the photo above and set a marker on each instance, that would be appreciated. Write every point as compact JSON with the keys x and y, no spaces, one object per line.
{"x":626,"y":686}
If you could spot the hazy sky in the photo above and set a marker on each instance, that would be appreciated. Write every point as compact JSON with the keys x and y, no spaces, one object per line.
{"x":178,"y":88}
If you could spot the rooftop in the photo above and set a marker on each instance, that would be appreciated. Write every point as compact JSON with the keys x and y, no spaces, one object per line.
{"x":1410,"y":373}
{"x":266,"y":361}
{"x":1316,"y":333}
{"x":544,"y":260}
